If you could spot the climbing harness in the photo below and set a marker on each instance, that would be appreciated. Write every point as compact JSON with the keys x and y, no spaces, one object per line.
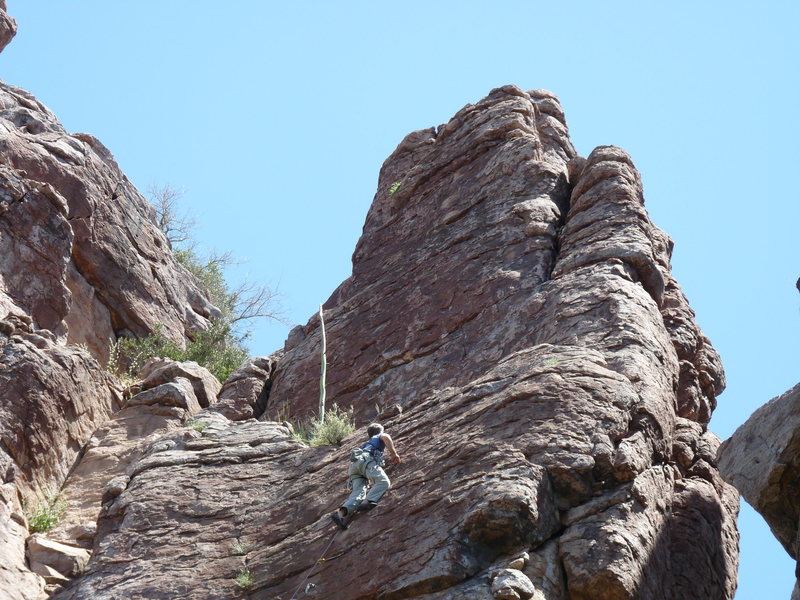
{"x":319,"y":560}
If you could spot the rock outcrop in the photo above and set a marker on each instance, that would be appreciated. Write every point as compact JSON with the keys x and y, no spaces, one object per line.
{"x":246,"y":390}
{"x":82,"y":262}
{"x":8,"y":26}
{"x":512,"y":315}
{"x":762,"y":459}
{"x":81,"y":252}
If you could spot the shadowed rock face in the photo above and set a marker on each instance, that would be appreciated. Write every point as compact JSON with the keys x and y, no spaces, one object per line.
{"x":52,"y":398}
{"x":517,"y":304}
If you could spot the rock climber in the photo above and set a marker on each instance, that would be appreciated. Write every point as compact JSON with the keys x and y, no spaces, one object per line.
{"x":366,"y":467}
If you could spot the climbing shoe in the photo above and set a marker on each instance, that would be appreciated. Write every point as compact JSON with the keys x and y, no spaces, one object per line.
{"x":340,"y":522}
{"x":365,"y":506}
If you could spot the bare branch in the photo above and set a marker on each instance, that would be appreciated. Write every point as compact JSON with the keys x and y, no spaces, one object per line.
{"x":251,"y":301}
{"x":177,"y":226}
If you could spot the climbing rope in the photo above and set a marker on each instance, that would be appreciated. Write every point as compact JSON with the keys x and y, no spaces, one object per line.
{"x":319,"y":560}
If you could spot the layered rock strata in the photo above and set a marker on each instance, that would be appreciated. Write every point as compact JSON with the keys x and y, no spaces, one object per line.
{"x":762,"y":459}
{"x":82,"y":254}
{"x":82,"y":262}
{"x":512,"y":308}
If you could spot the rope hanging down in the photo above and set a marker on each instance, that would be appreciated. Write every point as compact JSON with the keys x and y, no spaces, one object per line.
{"x":319,"y":560}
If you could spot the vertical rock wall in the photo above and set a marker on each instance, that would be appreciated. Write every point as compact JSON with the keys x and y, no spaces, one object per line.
{"x":512,"y":315}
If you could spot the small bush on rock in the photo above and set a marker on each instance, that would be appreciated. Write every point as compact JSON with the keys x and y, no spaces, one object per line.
{"x":220,"y":348}
{"x":244,"y":579}
{"x":48,"y":513}
{"x":196,"y":425}
{"x":241,"y":548}
{"x":338,"y":424}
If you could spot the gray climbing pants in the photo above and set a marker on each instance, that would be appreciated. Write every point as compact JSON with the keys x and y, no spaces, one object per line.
{"x":361,"y":472}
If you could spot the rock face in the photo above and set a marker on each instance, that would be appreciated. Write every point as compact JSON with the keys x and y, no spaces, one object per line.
{"x":82,"y":262}
{"x":762,"y":459}
{"x":114,"y":447}
{"x":82,"y":254}
{"x":549,"y":390}
{"x":245,"y":393}
{"x":8,"y":26}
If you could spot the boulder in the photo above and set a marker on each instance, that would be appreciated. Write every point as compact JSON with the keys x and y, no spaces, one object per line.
{"x":158,"y":371}
{"x":244,"y":394}
{"x":511,"y":584}
{"x":67,"y":560}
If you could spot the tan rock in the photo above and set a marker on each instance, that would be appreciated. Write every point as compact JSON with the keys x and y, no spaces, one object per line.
{"x":48,"y":573}
{"x":760,"y":460}
{"x":16,"y":581}
{"x":159,"y":371}
{"x":67,"y":560}
{"x":511,"y":584}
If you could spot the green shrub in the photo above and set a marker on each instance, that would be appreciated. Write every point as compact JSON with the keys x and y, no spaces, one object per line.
{"x":216,"y":349}
{"x":244,"y":579}
{"x":220,"y":348}
{"x":196,"y":424}
{"x":241,"y":548}
{"x":48,"y":513}
{"x":338,"y":424}
{"x":209,"y":276}
{"x":394,"y":187}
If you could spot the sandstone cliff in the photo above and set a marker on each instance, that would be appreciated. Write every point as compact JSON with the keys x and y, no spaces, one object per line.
{"x":511,"y":317}
{"x":81,"y":263}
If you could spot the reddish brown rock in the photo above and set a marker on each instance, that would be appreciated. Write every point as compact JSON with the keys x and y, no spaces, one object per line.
{"x":52,"y":398}
{"x":244,"y":395}
{"x":113,"y":448}
{"x":159,"y":371}
{"x":90,"y":230}
{"x":484,"y":196}
{"x":82,"y":262}
{"x":35,"y":247}
{"x":516,"y":302}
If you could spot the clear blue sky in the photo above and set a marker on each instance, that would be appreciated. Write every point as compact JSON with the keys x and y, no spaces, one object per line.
{"x":275,"y":118}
